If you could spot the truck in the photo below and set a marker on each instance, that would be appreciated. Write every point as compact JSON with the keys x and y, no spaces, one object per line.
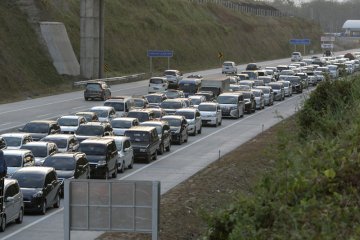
{"x":217,"y":85}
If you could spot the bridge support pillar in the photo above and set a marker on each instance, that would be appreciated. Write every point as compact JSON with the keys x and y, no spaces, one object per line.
{"x":92,"y":38}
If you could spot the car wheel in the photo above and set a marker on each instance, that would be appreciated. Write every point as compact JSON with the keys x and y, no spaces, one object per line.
{"x":168,"y":147}
{"x":57,"y":203}
{"x":186,"y":139}
{"x":86,"y":99}
{"x":195,"y":132}
{"x":43,"y":208}
{"x":180,"y":140}
{"x":114,"y":175}
{"x":148,"y":159}
{"x":161,"y":149}
{"x":20,"y":217}
{"x":3,"y":224}
{"x":122,"y":169}
{"x":131,"y":164}
{"x":107,"y":176}
{"x":155,"y":156}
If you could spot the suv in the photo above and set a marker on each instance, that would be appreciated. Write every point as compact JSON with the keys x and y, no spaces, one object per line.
{"x":93,"y":129}
{"x":40,"y":128}
{"x":102,"y":155}
{"x":145,"y":142}
{"x":229,"y":67}
{"x":193,"y":118}
{"x":97,"y":89}
{"x":158,"y":84}
{"x":232,"y":104}
{"x":121,"y":104}
{"x":173,"y":77}
{"x":296,"y":56}
{"x":163,"y":130}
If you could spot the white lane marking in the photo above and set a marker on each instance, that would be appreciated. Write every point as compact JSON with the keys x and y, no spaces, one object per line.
{"x":16,"y":126}
{"x":44,"y":115}
{"x":31,"y":224}
{"x":3,"y":124}
{"x":67,"y":100}
{"x":78,"y":107}
{"x":207,"y":136}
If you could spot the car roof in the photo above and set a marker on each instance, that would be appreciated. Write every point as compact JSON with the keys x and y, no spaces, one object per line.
{"x":15,"y":134}
{"x":43,"y":121}
{"x":127,"y":119}
{"x":173,"y":117}
{"x":37,"y":169}
{"x":189,"y":109}
{"x":93,"y":124}
{"x":140,"y":128}
{"x":38,"y":143}
{"x":70,"y":116}
{"x":67,"y":154}
{"x":117,"y":138}
{"x":15,"y":151}
{"x":154,"y":122}
{"x":96,"y":140}
{"x":86,"y":113}
{"x":59,"y":136}
{"x":108,"y":108}
{"x":196,"y":96}
{"x":208,"y":103}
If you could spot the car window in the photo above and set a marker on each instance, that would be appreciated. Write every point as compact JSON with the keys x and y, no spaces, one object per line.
{"x":29,"y":160}
{"x":11,"y":191}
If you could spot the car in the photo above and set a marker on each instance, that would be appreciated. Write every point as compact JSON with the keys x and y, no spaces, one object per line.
{"x":229,"y":67}
{"x":18,"y":158}
{"x":13,"y":203}
{"x":197,"y":99}
{"x":210,"y":113}
{"x":125,"y":151}
{"x":232,"y":104}
{"x":250,"y":83}
{"x":158,"y":112}
{"x":178,"y":128}
{"x":252,"y":67}
{"x":16,"y":140}
{"x":145,"y":142}
{"x":287,"y":87}
{"x":41,"y":150}
{"x":40,"y":128}
{"x":69,"y":165}
{"x":142,"y":114}
{"x":253,"y":74}
{"x":3,"y":144}
{"x":120,"y":125}
{"x":259,"y":98}
{"x":172,"y":94}
{"x":193,"y":118}
{"x":64,"y":142}
{"x":121,"y":104}
{"x":209,"y":95}
{"x":104,"y":113}
{"x":279,"y":92}
{"x":40,"y":188}
{"x":266,"y":79}
{"x":172,"y":105}
{"x":173,"y":76}
{"x":97,"y":90}
{"x":155,"y":99}
{"x":163,"y":131}
{"x":89,"y":116}
{"x":158,"y":84}
{"x":250,"y":104}
{"x":69,"y":123}
{"x":297,"y":84}
{"x":93,"y":129}
{"x":140,"y":102}
{"x":296,"y":56}
{"x":102,"y":155}
{"x":268,"y":94}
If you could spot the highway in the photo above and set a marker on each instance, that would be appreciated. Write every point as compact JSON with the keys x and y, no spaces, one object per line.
{"x":171,"y":168}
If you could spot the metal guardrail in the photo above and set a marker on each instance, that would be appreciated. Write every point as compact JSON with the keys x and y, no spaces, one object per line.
{"x":113,"y":79}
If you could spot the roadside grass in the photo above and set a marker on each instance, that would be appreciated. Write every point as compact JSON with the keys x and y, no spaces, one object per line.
{"x":196,"y":33}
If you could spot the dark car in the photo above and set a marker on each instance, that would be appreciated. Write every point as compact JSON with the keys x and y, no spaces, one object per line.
{"x":97,"y":90}
{"x":297,"y":84}
{"x":40,"y":187}
{"x":145,"y":142}
{"x":93,"y":129}
{"x":178,"y":128}
{"x":163,"y":130}
{"x":102,"y":155}
{"x":40,"y":128}
{"x":155,"y":98}
{"x":69,"y":165}
{"x":250,"y":104}
{"x":252,"y":67}
{"x":209,"y":95}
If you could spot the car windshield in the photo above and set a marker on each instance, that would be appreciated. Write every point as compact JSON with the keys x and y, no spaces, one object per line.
{"x":121,"y":123}
{"x":38,"y":151}
{"x":118,"y":106}
{"x":188,"y":87}
{"x":265,"y":90}
{"x":169,"y":73}
{"x":13,"y":160}
{"x":93,"y":87}
{"x":247,"y":95}
{"x":156,"y":81}
{"x":171,"y":105}
{"x":85,"y":130}
{"x":88,"y":117}
{"x":36,"y":128}
{"x":187,"y":115}
{"x":154,"y":98}
{"x":60,"y":163}
{"x":138,"y":136}
{"x":13,"y":141}
{"x":275,"y":86}
{"x":227,"y":99}
{"x":257,"y":93}
{"x":207,"y":108}
{"x":141,"y":116}
{"x":172,"y":94}
{"x":101,"y":113}
{"x":139,"y":103}
{"x":157,"y":126}
{"x":93,"y":149}
{"x":173,"y":122}
{"x":68,"y":122}
{"x":29,"y":180}
{"x":60,"y":142}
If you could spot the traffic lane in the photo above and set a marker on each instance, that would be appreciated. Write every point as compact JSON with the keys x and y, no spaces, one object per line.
{"x":204,"y":149}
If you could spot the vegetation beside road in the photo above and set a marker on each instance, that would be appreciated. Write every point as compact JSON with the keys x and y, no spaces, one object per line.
{"x":313,"y":193}
{"x":196,"y":33}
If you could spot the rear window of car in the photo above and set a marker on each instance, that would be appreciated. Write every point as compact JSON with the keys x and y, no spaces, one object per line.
{"x":93,"y":87}
{"x":228,"y":64}
{"x":170,"y":73}
{"x":93,"y":149}
{"x":141,"y":116}
{"x":138,"y":136}
{"x":90,"y":130}
{"x":207,"y":108}
{"x":118,"y":106}
{"x":60,"y":163}
{"x":156,"y":81}
{"x":36,"y":128}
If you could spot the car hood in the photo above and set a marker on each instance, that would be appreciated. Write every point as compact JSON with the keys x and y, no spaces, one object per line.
{"x":119,"y":131}
{"x":11,"y":170}
{"x":139,"y":145}
{"x":29,"y":192}
{"x":68,"y":128}
{"x":65,"y":174}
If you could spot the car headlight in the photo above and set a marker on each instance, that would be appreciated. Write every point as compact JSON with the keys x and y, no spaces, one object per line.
{"x":101,"y":163}
{"x":38,"y":194}
{"x":213,"y":115}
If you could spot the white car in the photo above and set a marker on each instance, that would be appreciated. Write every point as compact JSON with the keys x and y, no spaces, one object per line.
{"x":125,"y":151}
{"x":210,"y":113}
{"x":173,"y":77}
{"x":158,"y":84}
{"x":287,"y":88}
{"x":268,"y":95}
{"x":70,"y":123}
{"x":259,"y":98}
{"x":296,"y":56}
{"x":104,"y":113}
{"x":16,"y":140}
{"x":193,"y":118}
{"x":229,"y":67}
{"x":120,"y":125}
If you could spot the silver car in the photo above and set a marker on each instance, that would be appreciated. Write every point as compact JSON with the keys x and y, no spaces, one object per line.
{"x":16,"y":140}
{"x":268,"y":95}
{"x":69,"y":124}
{"x":13,"y":203}
{"x":210,"y":113}
{"x":259,"y":98}
{"x":193,"y":118}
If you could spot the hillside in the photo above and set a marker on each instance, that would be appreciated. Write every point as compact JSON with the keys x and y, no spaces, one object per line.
{"x":196,"y":33}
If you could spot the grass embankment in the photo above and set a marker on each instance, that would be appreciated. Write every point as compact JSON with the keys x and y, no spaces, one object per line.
{"x":313,"y":193}
{"x":196,"y":33}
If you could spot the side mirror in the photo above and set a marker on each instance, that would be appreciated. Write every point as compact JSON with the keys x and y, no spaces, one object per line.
{"x":53,"y":131}
{"x":49,"y":185}
{"x":9,"y":199}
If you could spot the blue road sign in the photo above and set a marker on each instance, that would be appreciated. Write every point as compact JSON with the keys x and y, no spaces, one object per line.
{"x":160,"y":53}
{"x":300,"y":41}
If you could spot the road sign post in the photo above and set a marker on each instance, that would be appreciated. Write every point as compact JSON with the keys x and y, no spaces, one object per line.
{"x":300,"y":42}
{"x":160,"y":53}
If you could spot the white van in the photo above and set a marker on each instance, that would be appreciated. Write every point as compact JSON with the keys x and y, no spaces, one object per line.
{"x":229,"y":67}
{"x":158,"y":84}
